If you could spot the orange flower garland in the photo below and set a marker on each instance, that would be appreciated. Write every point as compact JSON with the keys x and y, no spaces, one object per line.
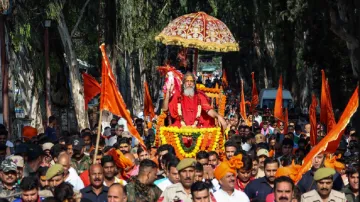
{"x":222,"y":105}
{"x":208,"y":90}
{"x":160,"y":123}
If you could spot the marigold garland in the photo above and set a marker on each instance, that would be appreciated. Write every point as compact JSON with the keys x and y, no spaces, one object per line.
{"x":173,"y":135}
{"x":222,"y":106}
{"x":208,"y":90}
{"x":160,"y":123}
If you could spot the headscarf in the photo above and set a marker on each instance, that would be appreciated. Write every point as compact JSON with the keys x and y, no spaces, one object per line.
{"x":29,"y":132}
{"x":120,"y":160}
{"x":288,"y":171}
{"x":228,"y":166}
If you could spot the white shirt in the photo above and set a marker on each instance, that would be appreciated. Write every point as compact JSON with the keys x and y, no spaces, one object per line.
{"x":111,"y":141}
{"x":74,"y":179}
{"x":258,"y":119}
{"x":236,"y":196}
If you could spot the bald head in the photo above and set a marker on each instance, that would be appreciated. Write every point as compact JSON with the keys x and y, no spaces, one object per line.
{"x":64,"y":160}
{"x":96,"y":174}
{"x":117,"y":193}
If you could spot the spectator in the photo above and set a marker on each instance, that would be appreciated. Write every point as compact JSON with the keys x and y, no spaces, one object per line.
{"x":124,"y":145}
{"x":172,"y":175}
{"x":64,"y":192}
{"x":141,"y":187}
{"x":261,"y":187}
{"x":88,"y":144}
{"x":244,"y":174}
{"x":55,"y":176}
{"x":142,"y":154}
{"x":181,"y":190}
{"x":202,"y":157}
{"x":230,"y":149}
{"x":70,"y":174}
{"x":19,"y":161}
{"x":352,"y":190}
{"x":9,"y":188}
{"x":324,"y":183}
{"x":108,"y":164}
{"x":283,"y":189}
{"x":96,"y":191}
{"x":79,"y":160}
{"x":117,"y":193}
{"x":50,"y":130}
{"x":33,"y":160}
{"x":200,"y":192}
{"x":29,"y":190}
{"x":213,"y":159}
{"x":43,"y":182}
{"x":199,"y":172}
{"x":262,"y":154}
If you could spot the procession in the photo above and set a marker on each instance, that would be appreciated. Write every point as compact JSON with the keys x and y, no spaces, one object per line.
{"x":178,"y":120}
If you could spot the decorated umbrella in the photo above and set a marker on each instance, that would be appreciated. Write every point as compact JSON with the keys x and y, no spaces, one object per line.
{"x":200,"y":31}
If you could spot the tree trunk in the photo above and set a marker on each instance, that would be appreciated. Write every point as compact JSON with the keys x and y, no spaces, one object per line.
{"x":76,"y":85}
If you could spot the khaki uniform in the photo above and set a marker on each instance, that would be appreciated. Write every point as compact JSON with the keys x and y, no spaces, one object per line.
{"x":313,"y":196}
{"x":175,"y":192}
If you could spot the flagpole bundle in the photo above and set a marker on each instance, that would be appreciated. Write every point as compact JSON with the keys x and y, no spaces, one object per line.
{"x":98,"y":136}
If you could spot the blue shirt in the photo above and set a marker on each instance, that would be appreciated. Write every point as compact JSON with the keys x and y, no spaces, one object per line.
{"x":258,"y":189}
{"x":88,"y":193}
{"x":51,"y":134}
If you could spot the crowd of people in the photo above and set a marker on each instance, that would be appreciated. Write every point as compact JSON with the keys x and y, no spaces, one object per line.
{"x":63,"y":167}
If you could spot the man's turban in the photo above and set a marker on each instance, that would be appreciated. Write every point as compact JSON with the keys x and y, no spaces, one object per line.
{"x":228,"y":166}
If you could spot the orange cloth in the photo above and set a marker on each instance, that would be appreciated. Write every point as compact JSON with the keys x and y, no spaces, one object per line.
{"x":242,"y":105}
{"x":111,"y":98}
{"x":312,"y":118}
{"x":332,"y":135}
{"x":326,"y":111}
{"x":255,"y":94}
{"x":278,"y":110}
{"x":289,"y":171}
{"x":120,"y":160}
{"x":271,"y":153}
{"x":331,"y":162}
{"x":29,"y":132}
{"x":84,"y":176}
{"x":228,"y":166}
{"x":91,"y":88}
{"x":148,"y":105}
{"x":224,"y":80}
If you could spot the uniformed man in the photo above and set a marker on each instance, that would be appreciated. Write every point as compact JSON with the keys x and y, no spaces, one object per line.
{"x":55,"y":175}
{"x":181,"y":191}
{"x":324,"y":191}
{"x":8,"y":174}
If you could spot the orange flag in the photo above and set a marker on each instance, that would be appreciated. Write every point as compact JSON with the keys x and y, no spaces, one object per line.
{"x":332,"y":135}
{"x":255,"y":94}
{"x":224,"y":80}
{"x":278,"y":110}
{"x":329,"y":110}
{"x":312,"y":118}
{"x":91,"y":88}
{"x":323,"y":100}
{"x":111,"y":99}
{"x":242,"y":104}
{"x":148,"y":105}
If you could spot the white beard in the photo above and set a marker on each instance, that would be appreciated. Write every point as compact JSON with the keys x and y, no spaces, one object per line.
{"x":189,"y":92}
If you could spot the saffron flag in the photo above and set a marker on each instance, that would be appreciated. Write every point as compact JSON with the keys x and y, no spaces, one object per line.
{"x":255,"y":94}
{"x":330,"y":122}
{"x":332,"y":135}
{"x":323,"y":100}
{"x":312,"y":118}
{"x":111,"y":99}
{"x":278,"y":110}
{"x":148,"y":105}
{"x":91,"y":88}
{"x":242,"y":104}
{"x":224,"y":80}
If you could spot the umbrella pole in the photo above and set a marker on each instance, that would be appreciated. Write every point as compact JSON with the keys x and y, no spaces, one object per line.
{"x":196,"y":56}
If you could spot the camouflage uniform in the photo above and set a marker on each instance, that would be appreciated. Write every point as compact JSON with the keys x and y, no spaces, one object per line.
{"x":81,"y":166}
{"x":6,"y":166}
{"x":138,"y":192}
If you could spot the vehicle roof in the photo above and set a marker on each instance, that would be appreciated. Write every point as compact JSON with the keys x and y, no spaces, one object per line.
{"x":270,"y":93}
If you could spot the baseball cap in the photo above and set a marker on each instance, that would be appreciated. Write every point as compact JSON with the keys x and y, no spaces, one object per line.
{"x":185,"y":163}
{"x":21,"y":148}
{"x":47,"y":146}
{"x":262,"y":152}
{"x":18,"y":160}
{"x":260,"y":138}
{"x":34,"y":151}
{"x":78,"y":144}
{"x":8,"y":165}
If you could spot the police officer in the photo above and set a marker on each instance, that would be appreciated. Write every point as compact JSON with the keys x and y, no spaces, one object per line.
{"x":324,"y":191}
{"x":181,"y":191}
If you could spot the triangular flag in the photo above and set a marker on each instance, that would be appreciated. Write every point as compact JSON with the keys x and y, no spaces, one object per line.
{"x":330,"y":113}
{"x":255,"y":94}
{"x":224,"y":80}
{"x":111,"y":99}
{"x":278,"y":109}
{"x":312,"y":118}
{"x":242,"y":104}
{"x":332,"y":135}
{"x":91,"y":88}
{"x":323,"y":100}
{"x":148,"y":105}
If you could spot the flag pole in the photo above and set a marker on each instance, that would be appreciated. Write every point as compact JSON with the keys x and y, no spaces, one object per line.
{"x":98,"y":137}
